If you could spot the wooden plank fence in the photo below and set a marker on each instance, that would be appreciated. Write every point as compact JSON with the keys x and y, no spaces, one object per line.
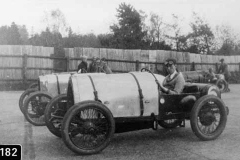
{"x":21,"y":63}
{"x":120,"y":60}
{"x":24,"y":63}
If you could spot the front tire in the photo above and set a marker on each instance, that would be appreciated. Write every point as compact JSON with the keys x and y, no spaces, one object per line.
{"x":88,"y":127}
{"x":54,"y":113}
{"x":208,"y":117}
{"x":34,"y":107}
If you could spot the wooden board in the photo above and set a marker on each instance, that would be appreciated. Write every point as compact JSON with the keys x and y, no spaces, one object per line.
{"x":114,"y":54}
{"x":204,"y":60}
{"x":103,"y":53}
{"x":136,"y":56}
{"x":128,"y":55}
{"x":179,"y":58}
{"x":152,"y":58}
{"x":144,"y":57}
{"x":210,"y":60}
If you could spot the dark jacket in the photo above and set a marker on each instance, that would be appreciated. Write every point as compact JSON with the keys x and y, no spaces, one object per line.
{"x":93,"y":67}
{"x":223,"y":69}
{"x":83,"y":66}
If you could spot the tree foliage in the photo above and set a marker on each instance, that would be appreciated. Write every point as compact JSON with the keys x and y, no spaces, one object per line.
{"x":201,"y":35}
{"x":128,"y":32}
{"x":134,"y":30}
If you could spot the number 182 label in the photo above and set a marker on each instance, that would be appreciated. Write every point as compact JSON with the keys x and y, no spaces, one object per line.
{"x":10,"y":152}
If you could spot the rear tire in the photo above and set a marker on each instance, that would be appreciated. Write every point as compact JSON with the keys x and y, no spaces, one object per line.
{"x":34,"y":107}
{"x":24,"y":96}
{"x":56,"y":108}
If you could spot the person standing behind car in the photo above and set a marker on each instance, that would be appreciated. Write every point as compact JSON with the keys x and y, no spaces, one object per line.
{"x":223,"y":69}
{"x":93,"y":66}
{"x":105,"y":67}
{"x":174,"y":82}
{"x":83,"y":66}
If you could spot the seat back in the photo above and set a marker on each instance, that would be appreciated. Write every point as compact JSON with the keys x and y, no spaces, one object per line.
{"x":190,"y":89}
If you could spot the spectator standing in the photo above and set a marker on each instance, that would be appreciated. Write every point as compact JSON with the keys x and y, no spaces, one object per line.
{"x":83,"y":66}
{"x":105,"y":67}
{"x":223,"y":69}
{"x":93,"y":65}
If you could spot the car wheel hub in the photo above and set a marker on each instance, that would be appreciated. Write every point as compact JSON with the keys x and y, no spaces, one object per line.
{"x":207,"y":119}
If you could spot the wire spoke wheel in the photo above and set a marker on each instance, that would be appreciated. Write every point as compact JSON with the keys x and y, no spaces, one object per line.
{"x":88,"y":128}
{"x":222,"y":85}
{"x":54,"y":113}
{"x":208,"y":117}
{"x":34,"y":107}
{"x":24,"y":96}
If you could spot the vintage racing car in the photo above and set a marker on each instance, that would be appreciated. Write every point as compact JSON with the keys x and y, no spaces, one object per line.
{"x":36,"y":99}
{"x":97,"y":106}
{"x":36,"y":87}
{"x":203,"y":77}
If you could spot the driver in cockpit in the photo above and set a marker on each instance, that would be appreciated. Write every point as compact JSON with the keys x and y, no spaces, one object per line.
{"x":174,"y":82}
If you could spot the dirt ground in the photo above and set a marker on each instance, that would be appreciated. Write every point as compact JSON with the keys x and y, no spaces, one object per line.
{"x":178,"y":144}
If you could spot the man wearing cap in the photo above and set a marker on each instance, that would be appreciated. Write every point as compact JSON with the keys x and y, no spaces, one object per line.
{"x":223,"y":69}
{"x":174,"y":82}
{"x":83,"y":66}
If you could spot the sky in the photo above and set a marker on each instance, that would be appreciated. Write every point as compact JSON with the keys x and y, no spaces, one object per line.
{"x":95,"y":16}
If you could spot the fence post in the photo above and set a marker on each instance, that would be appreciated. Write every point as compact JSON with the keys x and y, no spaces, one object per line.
{"x":193,"y":66}
{"x":24,"y":68}
{"x":137,"y":65}
{"x":67,"y":63}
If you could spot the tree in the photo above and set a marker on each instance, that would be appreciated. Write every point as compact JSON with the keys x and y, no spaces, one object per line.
{"x":226,"y":41}
{"x":156,"y":30}
{"x":14,"y":37}
{"x":179,"y":41}
{"x":23,"y":34}
{"x":106,"y":40}
{"x":55,"y":21}
{"x":128,"y":32}
{"x":201,"y":35}
{"x":4,"y":36}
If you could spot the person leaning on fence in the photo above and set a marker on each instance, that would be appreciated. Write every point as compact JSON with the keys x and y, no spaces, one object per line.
{"x":83,"y":66}
{"x":174,"y":82}
{"x":105,"y":67}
